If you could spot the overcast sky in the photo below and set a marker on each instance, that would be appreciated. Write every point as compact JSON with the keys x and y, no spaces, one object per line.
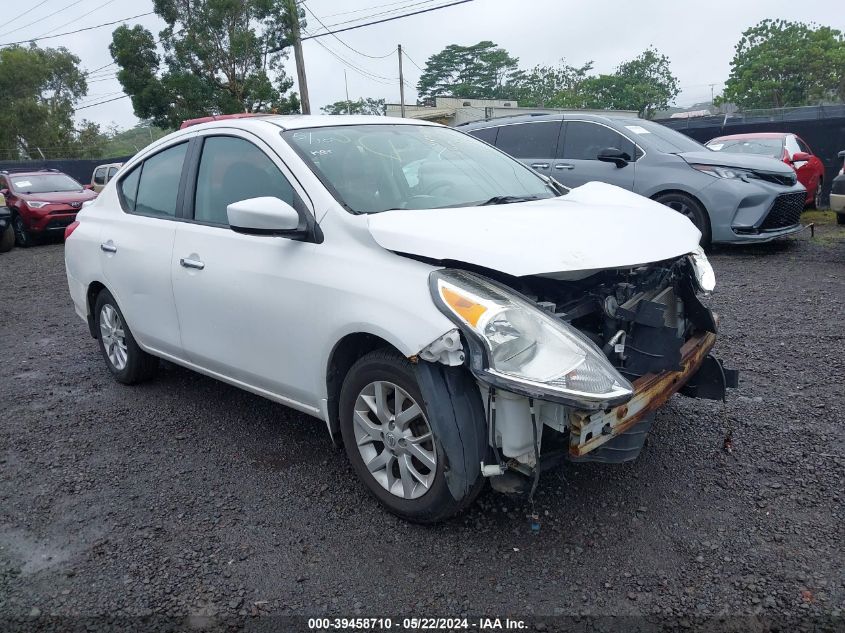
{"x":697,"y":37}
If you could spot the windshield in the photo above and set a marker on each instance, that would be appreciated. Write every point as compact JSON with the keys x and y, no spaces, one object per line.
{"x":372,"y":168}
{"x":44,"y":183}
{"x":760,"y":146}
{"x":661,"y":138}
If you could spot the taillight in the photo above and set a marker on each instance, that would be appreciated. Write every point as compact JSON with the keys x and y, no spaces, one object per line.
{"x":70,"y":228}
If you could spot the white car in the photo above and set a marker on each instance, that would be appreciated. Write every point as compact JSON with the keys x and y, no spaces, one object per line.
{"x":452,"y":315}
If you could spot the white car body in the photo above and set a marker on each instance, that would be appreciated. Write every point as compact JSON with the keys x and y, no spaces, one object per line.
{"x":265,"y":312}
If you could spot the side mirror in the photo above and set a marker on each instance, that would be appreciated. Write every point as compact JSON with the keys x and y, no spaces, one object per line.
{"x":266,"y":216}
{"x":88,"y":187}
{"x":799,"y":156}
{"x":5,"y":192}
{"x":615,"y":156}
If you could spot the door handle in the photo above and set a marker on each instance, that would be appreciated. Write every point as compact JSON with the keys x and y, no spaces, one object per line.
{"x":108,"y":247}
{"x":564,"y":166}
{"x":540,"y":165}
{"x":191,"y":263}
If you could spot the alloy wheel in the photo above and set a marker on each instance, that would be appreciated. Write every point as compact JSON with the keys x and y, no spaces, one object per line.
{"x":683,"y":209}
{"x":113,"y":336}
{"x":394,"y":439}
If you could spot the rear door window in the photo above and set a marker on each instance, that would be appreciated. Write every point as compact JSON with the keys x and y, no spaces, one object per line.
{"x":584,"y":140}
{"x":112,"y":172}
{"x":158,"y":188}
{"x":529,"y":140}
{"x":488,"y":134}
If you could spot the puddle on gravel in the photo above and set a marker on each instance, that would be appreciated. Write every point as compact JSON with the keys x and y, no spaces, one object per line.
{"x":31,"y":555}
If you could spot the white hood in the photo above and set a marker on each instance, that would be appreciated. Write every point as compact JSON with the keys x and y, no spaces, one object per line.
{"x":593,"y":227}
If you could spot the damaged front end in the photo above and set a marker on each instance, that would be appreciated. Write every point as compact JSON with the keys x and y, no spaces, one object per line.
{"x":574,"y":368}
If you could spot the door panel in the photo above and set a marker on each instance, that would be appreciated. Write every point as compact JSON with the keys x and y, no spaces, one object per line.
{"x":240,"y":297}
{"x":577,"y":163}
{"x":225,"y":328}
{"x":137,"y":248}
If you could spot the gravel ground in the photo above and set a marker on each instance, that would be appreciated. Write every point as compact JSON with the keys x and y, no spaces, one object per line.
{"x":185,"y":497}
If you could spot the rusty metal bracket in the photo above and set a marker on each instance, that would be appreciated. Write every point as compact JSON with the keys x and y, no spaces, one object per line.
{"x":591,"y":429}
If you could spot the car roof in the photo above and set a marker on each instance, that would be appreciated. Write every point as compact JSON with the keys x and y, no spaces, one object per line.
{"x":751,"y":135}
{"x":32,"y":172}
{"x":558,"y":116}
{"x":301,"y":121}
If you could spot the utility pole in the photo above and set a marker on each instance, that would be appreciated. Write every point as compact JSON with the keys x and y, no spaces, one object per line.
{"x":401,"y":83}
{"x":293,"y":12}
{"x":346,"y":84}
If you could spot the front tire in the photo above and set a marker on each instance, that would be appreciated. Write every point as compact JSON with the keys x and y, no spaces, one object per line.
{"x":390,"y":442}
{"x":840,"y":218}
{"x":23,"y":238}
{"x":127,"y":362}
{"x":689,"y":207}
{"x":817,"y":197}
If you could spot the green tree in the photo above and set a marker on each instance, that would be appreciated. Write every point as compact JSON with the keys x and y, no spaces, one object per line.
{"x":39,"y":87}
{"x":645,"y":84}
{"x":548,"y":86}
{"x":481,"y":71}
{"x":364,"y":105}
{"x":779,"y":63}
{"x":219,"y":57}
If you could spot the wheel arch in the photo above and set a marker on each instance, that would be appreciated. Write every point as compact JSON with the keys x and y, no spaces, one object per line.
{"x":692,"y":196}
{"x":91,"y":294}
{"x":343,"y":355}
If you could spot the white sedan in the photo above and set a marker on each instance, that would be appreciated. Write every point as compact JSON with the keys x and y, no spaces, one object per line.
{"x":452,"y":315}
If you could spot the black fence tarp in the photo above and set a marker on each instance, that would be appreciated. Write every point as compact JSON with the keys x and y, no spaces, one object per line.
{"x":79,"y":168}
{"x":825,"y":136}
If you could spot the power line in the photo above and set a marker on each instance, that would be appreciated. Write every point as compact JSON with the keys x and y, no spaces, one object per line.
{"x":72,"y":4}
{"x":25,"y":11}
{"x":87,"y":28}
{"x":69,"y":22}
{"x":395,"y":17}
{"x":88,"y":73}
{"x":365,"y":73}
{"x":412,"y":61}
{"x":410,"y":5}
{"x":378,"y":6}
{"x":91,"y":105}
{"x":307,"y":8}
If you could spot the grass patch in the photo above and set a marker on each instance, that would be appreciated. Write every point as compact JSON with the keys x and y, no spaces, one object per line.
{"x":828,"y":232}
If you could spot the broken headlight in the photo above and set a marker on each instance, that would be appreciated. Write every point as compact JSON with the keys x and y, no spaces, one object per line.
{"x":704,"y":275}
{"x":525,"y":349}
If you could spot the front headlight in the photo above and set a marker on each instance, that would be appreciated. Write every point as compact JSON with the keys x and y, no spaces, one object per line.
{"x":32,"y":204}
{"x":525,"y":349}
{"x":704,"y":275}
{"x":717,"y":171}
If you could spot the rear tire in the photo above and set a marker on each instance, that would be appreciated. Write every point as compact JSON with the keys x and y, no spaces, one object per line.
{"x":840,"y":218}
{"x":399,"y":456}
{"x":127,"y":362}
{"x":7,"y":239}
{"x":689,"y":207}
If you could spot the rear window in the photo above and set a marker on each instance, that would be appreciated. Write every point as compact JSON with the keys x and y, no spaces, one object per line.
{"x":758,"y":146}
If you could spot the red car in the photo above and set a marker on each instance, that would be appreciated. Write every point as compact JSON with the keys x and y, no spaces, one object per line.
{"x":42,"y":202}
{"x":785,"y":146}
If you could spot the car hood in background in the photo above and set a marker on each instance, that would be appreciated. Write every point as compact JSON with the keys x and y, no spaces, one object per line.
{"x":60,"y":197}
{"x":593,"y":227}
{"x":742,"y":161}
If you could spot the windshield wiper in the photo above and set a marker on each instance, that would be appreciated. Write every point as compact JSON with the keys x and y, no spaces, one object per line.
{"x":507,"y":200}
